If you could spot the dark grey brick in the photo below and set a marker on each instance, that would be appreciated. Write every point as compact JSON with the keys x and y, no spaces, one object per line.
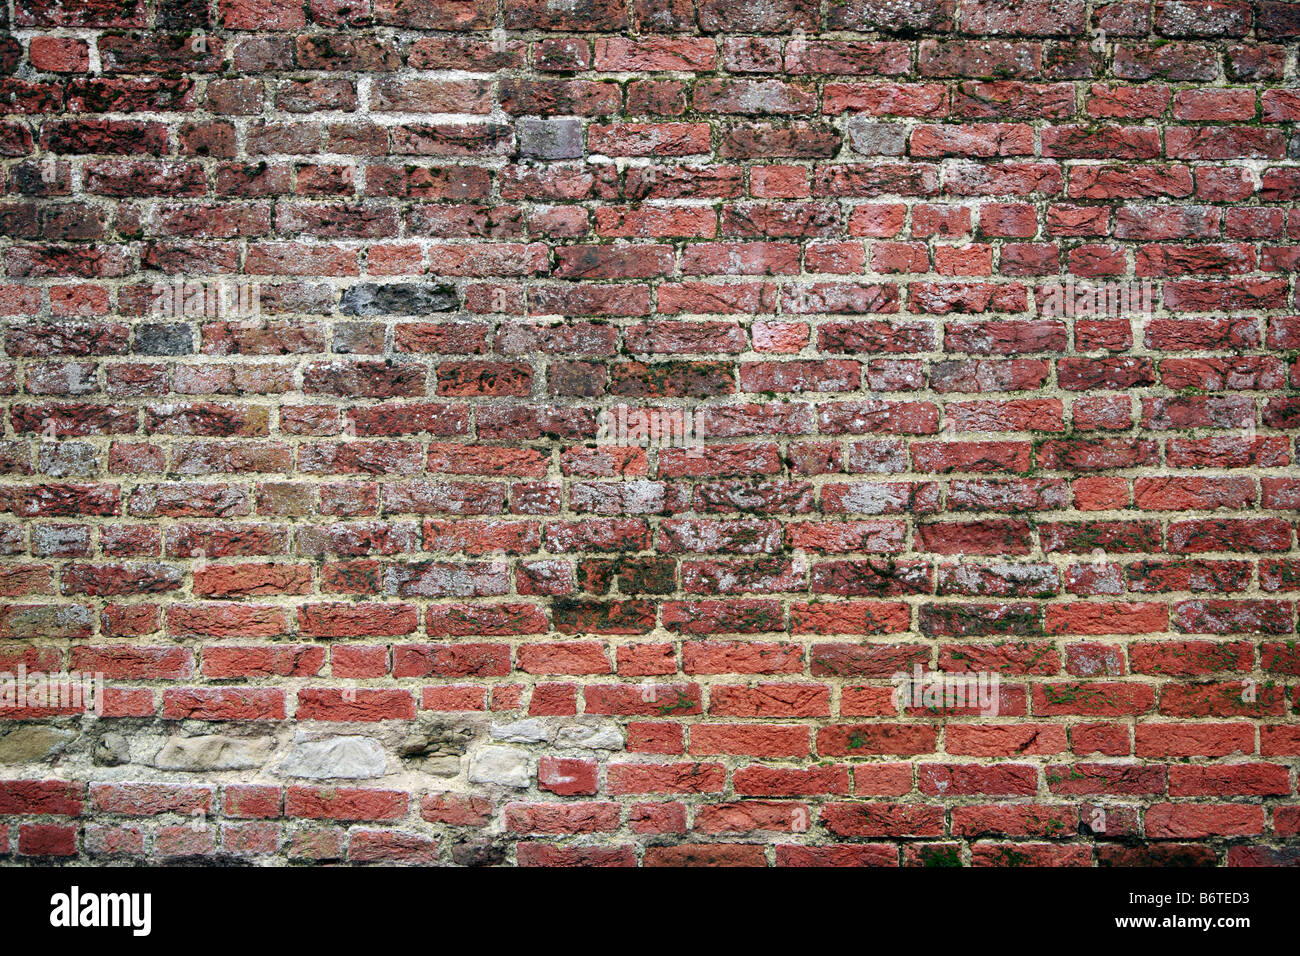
{"x":550,"y":139}
{"x":164,"y":338}
{"x":398,"y":298}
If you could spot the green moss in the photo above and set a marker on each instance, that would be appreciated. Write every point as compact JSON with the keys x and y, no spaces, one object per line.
{"x":940,"y":856}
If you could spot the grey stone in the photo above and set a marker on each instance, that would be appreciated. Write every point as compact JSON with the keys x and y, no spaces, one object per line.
{"x":520,"y":732}
{"x":164,"y":338}
{"x":433,"y":736}
{"x":436,"y":747}
{"x":398,"y":298}
{"x":33,"y":743}
{"x":214,"y":752}
{"x":503,"y":766}
{"x":590,"y":737}
{"x":549,"y":139}
{"x":876,"y":139}
{"x":335,"y":758}
{"x":440,"y":766}
{"x":110,"y":750}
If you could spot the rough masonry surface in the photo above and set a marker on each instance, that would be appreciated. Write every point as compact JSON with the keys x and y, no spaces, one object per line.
{"x":556,"y":431}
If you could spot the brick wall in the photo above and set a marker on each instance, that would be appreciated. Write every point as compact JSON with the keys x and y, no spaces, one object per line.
{"x":331,"y":329}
